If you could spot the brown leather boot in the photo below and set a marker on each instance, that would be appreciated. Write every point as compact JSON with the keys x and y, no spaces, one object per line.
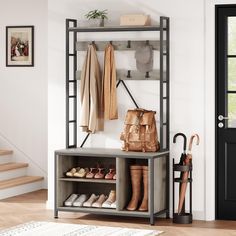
{"x":136,"y":175}
{"x":144,"y":204}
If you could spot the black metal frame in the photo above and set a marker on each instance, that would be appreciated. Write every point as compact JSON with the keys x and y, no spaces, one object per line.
{"x":164,"y":89}
{"x":72,"y":81}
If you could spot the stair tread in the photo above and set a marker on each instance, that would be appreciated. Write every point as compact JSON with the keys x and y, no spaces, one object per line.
{"x":19,"y":181}
{"x":12,"y":166}
{"x":5,"y":152}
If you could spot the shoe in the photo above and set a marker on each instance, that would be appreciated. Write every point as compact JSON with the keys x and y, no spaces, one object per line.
{"x":102,"y":198}
{"x":110,"y":174}
{"x":91,"y":173}
{"x":136,"y":176}
{"x":71,"y":172}
{"x":80,"y":200}
{"x":114,"y":177}
{"x":69,"y":201}
{"x":113,"y":205}
{"x":91,"y":200}
{"x":81,"y":173}
{"x":100,"y":174}
{"x":110,"y":200}
{"x":144,"y":204}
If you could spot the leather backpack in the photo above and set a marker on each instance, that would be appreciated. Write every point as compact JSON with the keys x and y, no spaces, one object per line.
{"x":140,"y":133}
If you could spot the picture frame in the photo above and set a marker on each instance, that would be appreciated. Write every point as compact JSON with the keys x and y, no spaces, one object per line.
{"x":20,"y":45}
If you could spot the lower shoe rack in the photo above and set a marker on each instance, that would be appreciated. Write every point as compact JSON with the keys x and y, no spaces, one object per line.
{"x":156,"y":189}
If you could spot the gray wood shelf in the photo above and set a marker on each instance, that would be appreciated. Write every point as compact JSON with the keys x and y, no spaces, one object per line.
{"x":102,"y":181}
{"x":129,"y":45}
{"x":105,"y":211}
{"x":109,"y":152}
{"x":134,"y":75}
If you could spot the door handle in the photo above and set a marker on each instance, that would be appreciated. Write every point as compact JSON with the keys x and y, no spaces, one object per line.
{"x":220,"y":117}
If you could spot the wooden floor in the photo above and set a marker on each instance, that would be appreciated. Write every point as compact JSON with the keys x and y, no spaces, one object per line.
{"x":32,"y":206}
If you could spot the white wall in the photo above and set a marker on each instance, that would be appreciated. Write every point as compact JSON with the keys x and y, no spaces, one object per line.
{"x":23,"y":91}
{"x":187,"y":77}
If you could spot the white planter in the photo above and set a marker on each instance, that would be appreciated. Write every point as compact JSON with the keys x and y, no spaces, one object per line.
{"x":96,"y":22}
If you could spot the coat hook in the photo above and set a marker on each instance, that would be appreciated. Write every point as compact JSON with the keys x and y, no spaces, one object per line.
{"x":129,"y":74}
{"x":129,"y":44}
{"x":147,"y":75}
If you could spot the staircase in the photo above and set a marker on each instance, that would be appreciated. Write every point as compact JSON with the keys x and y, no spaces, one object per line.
{"x":13,"y":178}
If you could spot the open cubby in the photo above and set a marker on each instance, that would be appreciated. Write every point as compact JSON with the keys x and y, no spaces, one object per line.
{"x":69,"y":162}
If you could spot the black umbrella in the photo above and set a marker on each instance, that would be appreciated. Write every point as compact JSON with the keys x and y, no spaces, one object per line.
{"x":182,"y":158}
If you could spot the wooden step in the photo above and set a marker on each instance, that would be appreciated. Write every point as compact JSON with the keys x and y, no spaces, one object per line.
{"x":12,"y":166}
{"x":5,"y":152}
{"x":19,"y":181}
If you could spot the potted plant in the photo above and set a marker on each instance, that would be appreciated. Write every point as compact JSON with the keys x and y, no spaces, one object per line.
{"x":96,"y":17}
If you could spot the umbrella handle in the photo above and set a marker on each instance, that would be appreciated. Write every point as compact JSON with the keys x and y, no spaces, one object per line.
{"x":191,"y":141}
{"x":185,"y":140}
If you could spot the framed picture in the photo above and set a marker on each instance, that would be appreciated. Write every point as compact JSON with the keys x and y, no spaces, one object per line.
{"x":20,"y":45}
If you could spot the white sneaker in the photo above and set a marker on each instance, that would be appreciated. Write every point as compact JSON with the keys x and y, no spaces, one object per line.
{"x":110,"y":200}
{"x":80,"y":200}
{"x":90,"y":201}
{"x":100,"y":201}
{"x":113,"y":205}
{"x":69,"y":201}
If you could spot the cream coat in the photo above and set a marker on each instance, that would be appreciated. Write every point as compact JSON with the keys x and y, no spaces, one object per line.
{"x":91,"y":118}
{"x":109,"y":80}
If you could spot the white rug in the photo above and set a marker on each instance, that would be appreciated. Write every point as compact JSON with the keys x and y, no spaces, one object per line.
{"x":36,"y":228}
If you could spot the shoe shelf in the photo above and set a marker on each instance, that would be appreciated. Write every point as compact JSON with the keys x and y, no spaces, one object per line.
{"x":158,"y":191}
{"x":102,"y":181}
{"x":104,"y":211}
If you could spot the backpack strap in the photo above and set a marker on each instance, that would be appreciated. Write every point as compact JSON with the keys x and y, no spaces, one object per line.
{"x":127,"y":133}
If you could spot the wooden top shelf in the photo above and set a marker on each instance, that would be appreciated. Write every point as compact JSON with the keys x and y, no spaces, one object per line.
{"x":109,"y":152}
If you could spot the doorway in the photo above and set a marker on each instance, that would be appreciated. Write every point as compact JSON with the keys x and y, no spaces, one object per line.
{"x":226,"y":112}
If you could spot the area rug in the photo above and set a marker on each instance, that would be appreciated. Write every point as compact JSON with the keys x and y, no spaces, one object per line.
{"x":37,"y":228}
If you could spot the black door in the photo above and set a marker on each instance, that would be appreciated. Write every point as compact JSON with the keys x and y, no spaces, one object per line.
{"x":226,"y":112}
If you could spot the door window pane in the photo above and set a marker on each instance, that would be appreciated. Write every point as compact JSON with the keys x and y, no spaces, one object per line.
{"x":232,"y":110}
{"x":232,"y":35}
{"x":232,"y":74}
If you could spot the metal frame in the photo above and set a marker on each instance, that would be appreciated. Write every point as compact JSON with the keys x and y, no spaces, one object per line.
{"x":71,"y":80}
{"x":164,"y":89}
{"x":71,"y":31}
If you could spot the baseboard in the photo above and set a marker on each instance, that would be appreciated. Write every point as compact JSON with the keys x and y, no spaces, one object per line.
{"x":49,"y":205}
{"x":198,"y":215}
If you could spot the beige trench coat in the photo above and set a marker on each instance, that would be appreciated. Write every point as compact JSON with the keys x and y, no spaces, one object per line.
{"x":91,"y":116}
{"x":109,"y":80}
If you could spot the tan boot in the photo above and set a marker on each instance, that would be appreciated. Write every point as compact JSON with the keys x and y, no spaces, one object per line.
{"x":136,"y":175}
{"x":144,"y":204}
